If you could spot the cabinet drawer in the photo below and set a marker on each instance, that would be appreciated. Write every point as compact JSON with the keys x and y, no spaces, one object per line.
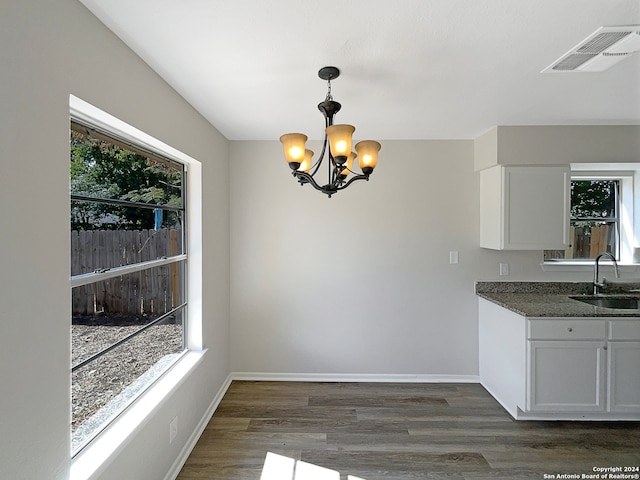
{"x":624,"y":329}
{"x":566,"y":329}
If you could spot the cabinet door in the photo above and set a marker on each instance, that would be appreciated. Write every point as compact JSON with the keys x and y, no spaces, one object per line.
{"x":624,"y":377}
{"x":565,"y":376}
{"x":525,"y":207}
{"x":537,"y":207}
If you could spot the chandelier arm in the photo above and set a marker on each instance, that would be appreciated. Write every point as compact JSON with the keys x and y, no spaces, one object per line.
{"x":353,"y":179}
{"x":321,"y":157}
{"x":350,"y":171}
{"x":306,"y":178}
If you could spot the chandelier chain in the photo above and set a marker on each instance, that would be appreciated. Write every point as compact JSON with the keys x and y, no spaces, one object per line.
{"x":329,"y":97}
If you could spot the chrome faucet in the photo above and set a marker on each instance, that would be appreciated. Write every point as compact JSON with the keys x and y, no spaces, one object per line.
{"x":596,"y":268}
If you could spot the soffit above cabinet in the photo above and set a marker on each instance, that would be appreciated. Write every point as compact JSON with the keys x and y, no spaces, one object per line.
{"x":557,"y":145}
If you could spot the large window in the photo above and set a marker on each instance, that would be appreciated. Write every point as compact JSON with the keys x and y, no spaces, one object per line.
{"x":597,"y":224}
{"x":128,"y":273}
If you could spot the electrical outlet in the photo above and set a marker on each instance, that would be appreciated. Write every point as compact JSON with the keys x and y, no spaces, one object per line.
{"x":173,"y":429}
{"x":504,"y":269}
{"x":453,"y":257}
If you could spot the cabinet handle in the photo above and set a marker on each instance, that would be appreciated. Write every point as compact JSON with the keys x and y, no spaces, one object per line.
{"x":569,"y":329}
{"x":604,"y":347}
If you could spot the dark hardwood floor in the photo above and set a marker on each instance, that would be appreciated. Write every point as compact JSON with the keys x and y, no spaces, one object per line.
{"x":405,"y":431}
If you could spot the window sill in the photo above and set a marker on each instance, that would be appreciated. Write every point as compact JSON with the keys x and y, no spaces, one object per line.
{"x":585,"y":266}
{"x":91,"y":461}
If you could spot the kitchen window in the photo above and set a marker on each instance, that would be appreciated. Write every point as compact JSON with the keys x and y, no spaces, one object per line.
{"x":601,"y":217}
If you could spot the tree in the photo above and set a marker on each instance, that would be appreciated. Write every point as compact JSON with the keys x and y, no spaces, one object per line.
{"x":593,"y":198}
{"x":100,"y":169}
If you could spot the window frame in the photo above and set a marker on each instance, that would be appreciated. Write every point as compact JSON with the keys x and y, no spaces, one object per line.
{"x":113,"y":433}
{"x":616,"y":220}
{"x":626,"y":217}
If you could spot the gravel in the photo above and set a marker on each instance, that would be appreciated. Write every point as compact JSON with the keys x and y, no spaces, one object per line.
{"x":103,"y":387}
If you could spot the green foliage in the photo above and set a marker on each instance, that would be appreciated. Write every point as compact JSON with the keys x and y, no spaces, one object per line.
{"x":100,"y":169}
{"x":593,"y":198}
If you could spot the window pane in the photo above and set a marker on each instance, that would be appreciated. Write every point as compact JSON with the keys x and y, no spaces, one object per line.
{"x":93,"y":250}
{"x":103,"y":169}
{"x":588,"y":239}
{"x":108,"y":311}
{"x":89,"y":215}
{"x":135,"y":298}
{"x":102,"y":388}
{"x":594,"y":198}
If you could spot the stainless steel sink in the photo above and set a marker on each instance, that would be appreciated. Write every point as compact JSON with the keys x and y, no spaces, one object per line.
{"x":625,"y":302}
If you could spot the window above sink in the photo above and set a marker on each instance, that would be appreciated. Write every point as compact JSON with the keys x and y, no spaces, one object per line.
{"x":603,"y":209}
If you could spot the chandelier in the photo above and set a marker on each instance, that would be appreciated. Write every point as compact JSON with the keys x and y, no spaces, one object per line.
{"x":338,"y":139}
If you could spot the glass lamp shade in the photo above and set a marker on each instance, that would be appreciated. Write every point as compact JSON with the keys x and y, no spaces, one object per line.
{"x":293,"y":144}
{"x":367,"y":155}
{"x":305,"y":166}
{"x":349,"y":165}
{"x":340,"y":141}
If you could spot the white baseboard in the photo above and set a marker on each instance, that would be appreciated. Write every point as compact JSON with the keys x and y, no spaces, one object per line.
{"x":354,"y":377}
{"x":173,"y":472}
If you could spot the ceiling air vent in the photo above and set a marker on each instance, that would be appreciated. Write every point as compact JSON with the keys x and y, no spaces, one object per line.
{"x":599,"y":51}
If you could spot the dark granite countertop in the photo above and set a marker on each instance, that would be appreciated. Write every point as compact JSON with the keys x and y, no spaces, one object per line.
{"x":552,"y":299}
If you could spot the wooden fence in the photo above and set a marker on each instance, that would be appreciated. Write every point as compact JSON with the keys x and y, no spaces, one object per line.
{"x":585,"y":245}
{"x":152,"y":291}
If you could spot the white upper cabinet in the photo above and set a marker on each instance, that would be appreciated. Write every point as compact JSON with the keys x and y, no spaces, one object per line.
{"x":525,"y":207}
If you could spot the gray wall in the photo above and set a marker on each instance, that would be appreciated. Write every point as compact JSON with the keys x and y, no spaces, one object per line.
{"x":49,"y":50}
{"x":361,"y":283}
{"x":536,"y":145}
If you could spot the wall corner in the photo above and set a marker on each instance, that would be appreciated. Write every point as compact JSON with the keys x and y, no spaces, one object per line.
{"x":485,"y":150}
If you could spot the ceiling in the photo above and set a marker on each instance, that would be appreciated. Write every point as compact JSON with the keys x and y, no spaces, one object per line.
{"x":411,"y":69}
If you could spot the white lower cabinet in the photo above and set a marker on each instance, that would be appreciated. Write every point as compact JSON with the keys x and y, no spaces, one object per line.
{"x":566,"y":376}
{"x":566,"y":365}
{"x":560,"y":368}
{"x":623,"y":373}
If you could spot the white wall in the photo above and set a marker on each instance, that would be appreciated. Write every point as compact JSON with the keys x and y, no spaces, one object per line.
{"x":361,"y":283}
{"x":49,"y":50}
